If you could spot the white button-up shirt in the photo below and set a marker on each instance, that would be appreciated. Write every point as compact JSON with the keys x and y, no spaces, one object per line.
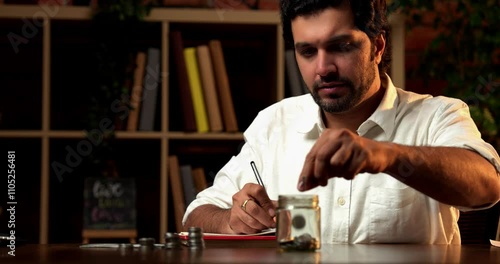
{"x":371,"y":208}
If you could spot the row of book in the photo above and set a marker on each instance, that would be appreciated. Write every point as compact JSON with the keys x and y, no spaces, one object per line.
{"x":143,"y":86}
{"x":203,"y":86}
{"x":186,"y":182}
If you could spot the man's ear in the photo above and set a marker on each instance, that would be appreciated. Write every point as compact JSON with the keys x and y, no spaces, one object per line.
{"x":379,"y":47}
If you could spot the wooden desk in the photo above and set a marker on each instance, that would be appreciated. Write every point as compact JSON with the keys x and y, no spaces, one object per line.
{"x":327,"y":254}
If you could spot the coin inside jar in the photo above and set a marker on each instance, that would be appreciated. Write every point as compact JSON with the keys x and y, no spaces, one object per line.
{"x":298,"y":221}
{"x":298,"y":226}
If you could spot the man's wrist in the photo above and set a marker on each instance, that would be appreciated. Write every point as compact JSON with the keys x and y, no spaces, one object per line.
{"x":225,"y":227}
{"x":397,"y":160}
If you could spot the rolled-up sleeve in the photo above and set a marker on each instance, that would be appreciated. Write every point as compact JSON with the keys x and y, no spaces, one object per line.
{"x":454,"y":127}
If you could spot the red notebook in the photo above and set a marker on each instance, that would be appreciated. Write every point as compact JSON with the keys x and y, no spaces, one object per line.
{"x":268,"y":234}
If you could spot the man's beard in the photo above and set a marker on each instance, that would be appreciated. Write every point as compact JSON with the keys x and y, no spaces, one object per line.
{"x":354,"y":95}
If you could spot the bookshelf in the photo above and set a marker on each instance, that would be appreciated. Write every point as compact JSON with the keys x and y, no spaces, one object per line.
{"x":52,"y":129}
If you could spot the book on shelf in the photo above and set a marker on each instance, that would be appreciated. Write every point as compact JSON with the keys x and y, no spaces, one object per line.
{"x":223,"y":88}
{"x":177,"y":190}
{"x":199,"y":179}
{"x":187,"y":3}
{"x":124,"y":100}
{"x":186,"y":100}
{"x":200,"y":112}
{"x":187,"y":184}
{"x":136,"y":94}
{"x":150,"y":90}
{"x":295,"y":82}
{"x":209,"y":90}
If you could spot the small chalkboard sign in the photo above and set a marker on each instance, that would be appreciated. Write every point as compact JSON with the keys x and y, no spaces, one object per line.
{"x":109,"y":204}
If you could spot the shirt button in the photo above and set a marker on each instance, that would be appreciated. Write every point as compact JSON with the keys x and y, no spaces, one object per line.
{"x":341,"y":201}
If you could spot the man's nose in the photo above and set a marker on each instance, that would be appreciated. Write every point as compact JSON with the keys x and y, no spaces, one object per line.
{"x":325,"y":65}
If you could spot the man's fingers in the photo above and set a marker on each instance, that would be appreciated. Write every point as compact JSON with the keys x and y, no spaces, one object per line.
{"x":322,"y":159}
{"x":256,"y":209}
{"x":262,"y":209}
{"x":256,"y":216}
{"x":317,"y":168}
{"x":337,"y":153}
{"x":239,"y":224}
{"x":262,"y":199}
{"x":305,"y":182}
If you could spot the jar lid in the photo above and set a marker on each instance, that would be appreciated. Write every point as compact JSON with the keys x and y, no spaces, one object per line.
{"x":298,"y":200}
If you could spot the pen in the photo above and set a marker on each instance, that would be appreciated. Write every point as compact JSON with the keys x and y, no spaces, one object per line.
{"x":257,"y":175}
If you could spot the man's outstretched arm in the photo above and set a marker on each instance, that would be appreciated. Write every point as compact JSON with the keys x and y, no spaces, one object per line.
{"x":451,"y":175}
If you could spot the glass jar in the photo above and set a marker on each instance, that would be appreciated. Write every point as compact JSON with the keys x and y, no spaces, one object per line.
{"x":298,"y":225}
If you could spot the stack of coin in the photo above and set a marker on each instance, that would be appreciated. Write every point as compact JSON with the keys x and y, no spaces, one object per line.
{"x":147,"y":243}
{"x":125,"y":249}
{"x":172,"y":240}
{"x":195,"y":238}
{"x":126,"y":246}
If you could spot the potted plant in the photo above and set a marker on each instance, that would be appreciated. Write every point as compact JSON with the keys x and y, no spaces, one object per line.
{"x":464,"y":54}
{"x":115,"y":24}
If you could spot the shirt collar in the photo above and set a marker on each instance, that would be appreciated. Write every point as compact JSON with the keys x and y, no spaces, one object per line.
{"x":384,"y":116}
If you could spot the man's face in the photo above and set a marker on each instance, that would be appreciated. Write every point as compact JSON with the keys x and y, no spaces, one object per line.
{"x":336,"y":60}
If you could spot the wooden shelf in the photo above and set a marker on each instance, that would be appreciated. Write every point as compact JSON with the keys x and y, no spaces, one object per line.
{"x":21,"y":133}
{"x":205,"y":136}
{"x":223,"y":16}
{"x":181,"y":15}
{"x":45,"y":12}
{"x":209,"y":21}
{"x":174,"y":135}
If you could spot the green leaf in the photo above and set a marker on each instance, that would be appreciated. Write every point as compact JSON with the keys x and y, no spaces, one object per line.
{"x":475,"y":19}
{"x":489,"y":125}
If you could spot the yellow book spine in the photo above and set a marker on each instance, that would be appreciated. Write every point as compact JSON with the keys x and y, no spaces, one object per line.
{"x":196,"y":89}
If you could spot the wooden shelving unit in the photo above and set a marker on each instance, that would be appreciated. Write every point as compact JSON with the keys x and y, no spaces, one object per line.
{"x":166,"y":17}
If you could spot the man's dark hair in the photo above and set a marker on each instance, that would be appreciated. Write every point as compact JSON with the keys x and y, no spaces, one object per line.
{"x":369,"y":17}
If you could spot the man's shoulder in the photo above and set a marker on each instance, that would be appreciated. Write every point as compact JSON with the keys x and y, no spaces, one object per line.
{"x":415,"y":99}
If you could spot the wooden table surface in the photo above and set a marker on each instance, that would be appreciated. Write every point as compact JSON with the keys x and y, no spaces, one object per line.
{"x":386,"y":253}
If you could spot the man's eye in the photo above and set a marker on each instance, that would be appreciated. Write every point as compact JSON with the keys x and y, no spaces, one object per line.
{"x":307,"y":52}
{"x":342,"y":47}
{"x":345,"y":46}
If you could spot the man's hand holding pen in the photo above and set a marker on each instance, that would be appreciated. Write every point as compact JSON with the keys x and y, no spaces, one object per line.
{"x":252,"y":210}
{"x":256,"y":211}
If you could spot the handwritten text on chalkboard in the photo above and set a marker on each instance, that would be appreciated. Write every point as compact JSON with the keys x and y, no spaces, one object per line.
{"x":109,"y":203}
